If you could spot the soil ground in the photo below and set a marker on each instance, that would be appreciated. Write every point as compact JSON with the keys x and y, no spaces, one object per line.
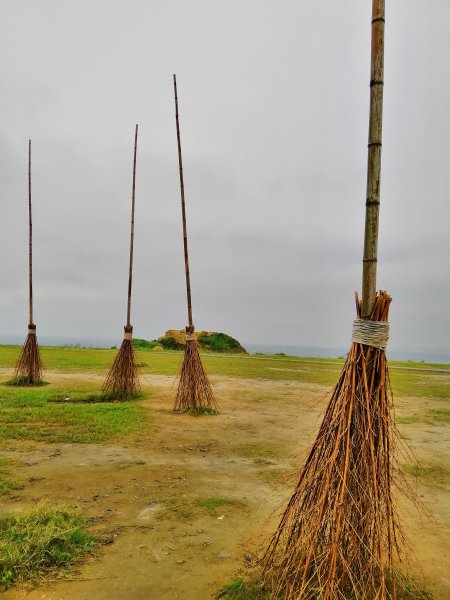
{"x":180,"y":505}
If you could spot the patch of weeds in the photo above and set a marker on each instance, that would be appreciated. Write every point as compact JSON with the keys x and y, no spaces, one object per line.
{"x":7,"y":484}
{"x":212,"y":503}
{"x":239,"y":589}
{"x":79,"y":397}
{"x":43,"y":540}
{"x":24,"y":382}
{"x":276,"y":476}
{"x":173,"y":507}
{"x":255,"y":451}
{"x":201,"y":412}
{"x":441,"y":415}
{"x":410,"y":420}
{"x":118,"y":397}
{"x":407,"y":589}
{"x":425,"y":472}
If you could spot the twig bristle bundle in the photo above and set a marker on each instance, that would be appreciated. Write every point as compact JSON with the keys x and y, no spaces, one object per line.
{"x":122,"y":381}
{"x":194,"y":394}
{"x":28,"y":369}
{"x":339,"y":535}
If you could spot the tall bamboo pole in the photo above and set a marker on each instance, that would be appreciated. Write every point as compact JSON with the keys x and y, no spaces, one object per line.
{"x":369,"y":276}
{"x":30,"y":240}
{"x":28,"y":369}
{"x":122,"y":381}
{"x":340,"y":536}
{"x":183,"y":208}
{"x":130,"y":269}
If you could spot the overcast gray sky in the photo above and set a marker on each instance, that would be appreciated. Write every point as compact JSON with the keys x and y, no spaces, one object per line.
{"x":274,"y":102}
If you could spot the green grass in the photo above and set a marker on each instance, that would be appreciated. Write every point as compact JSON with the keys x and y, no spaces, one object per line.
{"x":415,"y":381}
{"x":409,"y":420}
{"x":173,"y":507}
{"x":43,"y":540}
{"x":277,"y":476}
{"x":211,"y":504}
{"x":36,"y":414}
{"x":238,"y":589}
{"x":256,"y":450}
{"x":430,"y":472}
{"x":441,"y":415}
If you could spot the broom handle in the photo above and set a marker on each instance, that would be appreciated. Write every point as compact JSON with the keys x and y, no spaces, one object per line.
{"x":130,"y":270}
{"x":183,"y":208}
{"x":30,"y":239}
{"x":369,"y":278}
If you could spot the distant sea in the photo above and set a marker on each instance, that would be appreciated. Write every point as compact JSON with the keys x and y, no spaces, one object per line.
{"x":434,"y":355}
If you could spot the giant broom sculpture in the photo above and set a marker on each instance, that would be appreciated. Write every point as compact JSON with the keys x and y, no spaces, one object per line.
{"x":194,"y":392}
{"x":338,"y":536}
{"x":122,"y":381}
{"x":28,"y":369}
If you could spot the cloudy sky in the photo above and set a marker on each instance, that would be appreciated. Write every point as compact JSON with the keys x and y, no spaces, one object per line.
{"x":274,"y":102}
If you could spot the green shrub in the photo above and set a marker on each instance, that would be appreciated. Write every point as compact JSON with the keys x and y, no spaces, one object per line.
{"x":170,"y":343}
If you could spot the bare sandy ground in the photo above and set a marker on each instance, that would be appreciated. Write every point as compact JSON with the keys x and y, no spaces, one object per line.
{"x":141,"y":495}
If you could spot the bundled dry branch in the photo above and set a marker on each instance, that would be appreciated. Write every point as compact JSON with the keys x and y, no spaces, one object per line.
{"x":339,"y":534}
{"x":194,"y":390}
{"x":28,"y":369}
{"x":122,"y":381}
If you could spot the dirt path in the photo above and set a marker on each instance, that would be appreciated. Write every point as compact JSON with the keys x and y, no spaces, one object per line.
{"x":144,"y":496}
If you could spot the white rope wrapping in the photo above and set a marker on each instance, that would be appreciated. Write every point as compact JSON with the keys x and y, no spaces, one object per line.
{"x":190,"y":337}
{"x":32,"y":330}
{"x":371,"y":333}
{"x":128,"y":335}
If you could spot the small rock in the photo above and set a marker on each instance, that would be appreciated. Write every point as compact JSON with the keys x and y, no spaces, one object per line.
{"x":223,"y":554}
{"x":180,"y":561}
{"x":155,"y":556}
{"x":148,"y":510}
{"x":221,"y":518}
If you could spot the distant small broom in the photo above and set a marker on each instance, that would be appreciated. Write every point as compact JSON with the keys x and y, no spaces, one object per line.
{"x":194,"y":392}
{"x":28,"y":369}
{"x":339,"y":535}
{"x":122,"y":381}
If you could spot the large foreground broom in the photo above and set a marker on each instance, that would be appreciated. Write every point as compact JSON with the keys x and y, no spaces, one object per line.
{"x":338,"y":537}
{"x":122,"y":381}
{"x":194,"y":392}
{"x":28,"y":369}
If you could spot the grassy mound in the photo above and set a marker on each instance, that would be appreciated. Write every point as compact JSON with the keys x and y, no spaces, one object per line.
{"x":43,"y":540}
{"x":175,"y":339}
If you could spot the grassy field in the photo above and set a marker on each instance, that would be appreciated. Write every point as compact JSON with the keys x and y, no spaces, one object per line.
{"x":179,"y":500}
{"x":42,"y":414}
{"x":407,"y":377}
